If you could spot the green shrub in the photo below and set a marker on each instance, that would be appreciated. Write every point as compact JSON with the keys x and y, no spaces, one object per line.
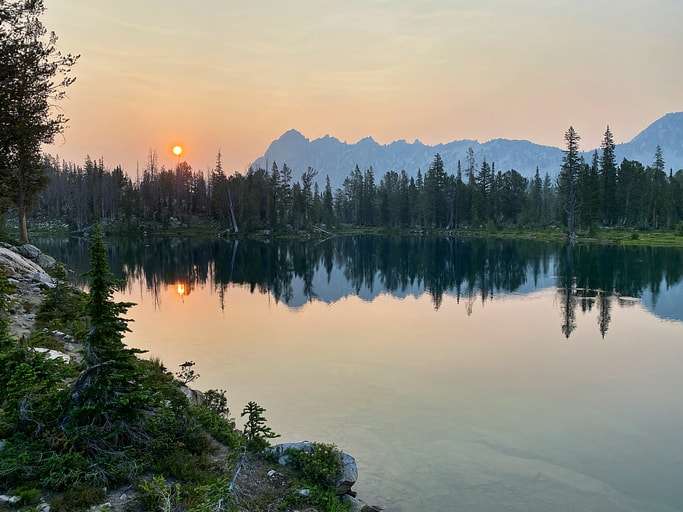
{"x":635,"y":235}
{"x":28,"y":495}
{"x":156,"y":494}
{"x":64,"y":309}
{"x":78,"y":498}
{"x":679,"y":228}
{"x":221,"y":428}
{"x":325,"y":500}
{"x":210,"y":497}
{"x":216,"y":400}
{"x":322,"y":466}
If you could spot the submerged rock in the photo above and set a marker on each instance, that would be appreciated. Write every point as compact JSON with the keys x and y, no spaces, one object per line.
{"x":349,"y":469}
{"x":357,"y":505}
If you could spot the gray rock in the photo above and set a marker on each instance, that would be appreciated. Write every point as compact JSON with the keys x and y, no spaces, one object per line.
{"x":5,"y":245}
{"x":195,"y":397}
{"x":349,"y":470}
{"x":43,"y":507}
{"x":43,"y":279}
{"x":53,"y":354}
{"x":29,"y":251}
{"x":9,"y":500}
{"x":18,"y":266}
{"x":104,"y":507}
{"x":46,"y":261}
{"x":354,"y":504}
{"x":2,"y":444}
{"x":349,"y":474}
{"x":304,"y":492}
{"x":358,"y":505}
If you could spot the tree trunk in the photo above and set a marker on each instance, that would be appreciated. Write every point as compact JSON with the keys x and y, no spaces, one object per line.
{"x":232,"y":213}
{"x":23,"y":224}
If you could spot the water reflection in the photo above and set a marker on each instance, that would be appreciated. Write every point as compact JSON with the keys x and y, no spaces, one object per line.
{"x":296,"y":273}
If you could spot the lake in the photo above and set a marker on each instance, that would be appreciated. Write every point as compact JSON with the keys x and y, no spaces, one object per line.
{"x":473,"y":375}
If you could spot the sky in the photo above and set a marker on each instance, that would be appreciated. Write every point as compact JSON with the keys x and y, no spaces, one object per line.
{"x":228,"y":75}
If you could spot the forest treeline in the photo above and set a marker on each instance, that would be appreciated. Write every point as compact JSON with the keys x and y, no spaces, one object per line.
{"x":584,"y":195}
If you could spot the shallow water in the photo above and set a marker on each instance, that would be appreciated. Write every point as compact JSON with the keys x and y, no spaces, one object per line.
{"x":463,"y":375}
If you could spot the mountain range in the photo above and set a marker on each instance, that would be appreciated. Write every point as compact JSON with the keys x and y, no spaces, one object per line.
{"x":330,"y":156}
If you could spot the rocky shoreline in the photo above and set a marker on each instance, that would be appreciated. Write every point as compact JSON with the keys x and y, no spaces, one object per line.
{"x":28,"y":271}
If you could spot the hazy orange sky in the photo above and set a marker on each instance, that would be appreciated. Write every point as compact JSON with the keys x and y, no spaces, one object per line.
{"x":234,"y":75}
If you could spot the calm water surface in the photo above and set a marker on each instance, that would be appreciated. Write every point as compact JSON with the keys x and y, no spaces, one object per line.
{"x":463,"y":375}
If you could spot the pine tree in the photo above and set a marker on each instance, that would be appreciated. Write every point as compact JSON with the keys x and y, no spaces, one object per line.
{"x":536,"y":197}
{"x":276,"y":199}
{"x":107,"y":399}
{"x":328,"y":204}
{"x":285,"y":193}
{"x":608,"y":171}
{"x":571,"y":164}
{"x":35,"y":76}
{"x":256,"y":432}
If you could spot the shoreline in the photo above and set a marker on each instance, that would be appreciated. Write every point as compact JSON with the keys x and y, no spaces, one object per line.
{"x":603,"y":236}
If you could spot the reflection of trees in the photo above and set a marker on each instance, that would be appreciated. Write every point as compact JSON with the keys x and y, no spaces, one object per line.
{"x":469,"y":269}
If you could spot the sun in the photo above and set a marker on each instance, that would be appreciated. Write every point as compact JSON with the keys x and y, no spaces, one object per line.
{"x":177,"y":150}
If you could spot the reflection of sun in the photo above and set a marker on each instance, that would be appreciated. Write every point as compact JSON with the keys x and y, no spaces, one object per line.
{"x":177,"y":150}
{"x":180,"y":289}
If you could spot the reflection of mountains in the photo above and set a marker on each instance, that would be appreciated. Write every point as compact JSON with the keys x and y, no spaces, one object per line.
{"x":298,"y":272}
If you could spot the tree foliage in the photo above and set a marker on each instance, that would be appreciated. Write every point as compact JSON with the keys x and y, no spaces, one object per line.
{"x":34,"y":76}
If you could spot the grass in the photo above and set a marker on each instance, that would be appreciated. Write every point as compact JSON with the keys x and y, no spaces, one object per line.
{"x":632,"y":237}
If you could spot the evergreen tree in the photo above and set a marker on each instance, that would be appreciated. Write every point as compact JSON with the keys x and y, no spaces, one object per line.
{"x":589,"y":193}
{"x":328,"y":204}
{"x":608,"y":171}
{"x":34,"y":76}
{"x":256,"y":431}
{"x":571,"y":164}
{"x":107,"y":399}
{"x":536,"y":198}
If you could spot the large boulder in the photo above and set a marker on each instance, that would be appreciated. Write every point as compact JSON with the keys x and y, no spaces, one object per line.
{"x":17,"y":265}
{"x":349,"y":469}
{"x":28,"y":251}
{"x":46,"y":261}
{"x":23,"y":269}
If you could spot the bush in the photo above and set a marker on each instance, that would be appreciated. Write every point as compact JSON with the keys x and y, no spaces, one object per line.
{"x":221,"y":428}
{"x":78,"y":498}
{"x":216,"y":400}
{"x":679,"y":228}
{"x":321,"y":466}
{"x":325,"y":500}
{"x":156,"y":494}
{"x":28,"y":495}
{"x":635,"y":236}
